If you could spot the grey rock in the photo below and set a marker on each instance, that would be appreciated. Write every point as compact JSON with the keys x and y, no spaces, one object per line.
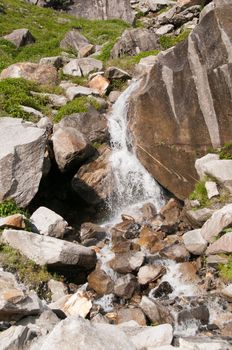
{"x":165,"y":29}
{"x":37,"y":114}
{"x":82,"y":66}
{"x":201,"y":163}
{"x":20,"y":37}
{"x":125,"y":286}
{"x":22,"y":148}
{"x":221,"y":171}
{"x":48,"y":223}
{"x":15,"y":301}
{"x":134,"y":41}
{"x":127,"y":262}
{"x":70,"y":148}
{"x":194,"y":242}
{"x":91,"y":234}
{"x":113,"y":96}
{"x":73,"y":41}
{"x":211,"y":188}
{"x":222,"y":245}
{"x":58,"y":289}
{"x":56,"y":61}
{"x":150,"y":273}
{"x":92,"y":125}
{"x":199,"y":343}
{"x":217,"y":222}
{"x":50,"y":251}
{"x":156,"y":313}
{"x":15,"y":338}
{"x":77,"y":91}
{"x":198,"y":217}
{"x":116,"y":73}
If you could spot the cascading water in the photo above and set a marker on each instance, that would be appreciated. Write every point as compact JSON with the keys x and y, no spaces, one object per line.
{"x":134,"y":185}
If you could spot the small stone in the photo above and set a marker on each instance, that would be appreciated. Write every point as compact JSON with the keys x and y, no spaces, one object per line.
{"x":32,"y":111}
{"x":20,"y":37}
{"x":156,"y":313}
{"x":86,"y":50}
{"x":113,"y":73}
{"x":113,"y":96}
{"x":164,"y":29}
{"x":227,"y":293}
{"x":194,"y":242}
{"x":136,"y":314}
{"x":127,"y":262}
{"x":13,"y":221}
{"x":100,"y":282}
{"x":150,"y":273}
{"x":100,"y":84}
{"x":211,"y":188}
{"x":58,"y":290}
{"x":125,"y":286}
{"x":162,"y":290}
{"x":77,"y":91}
{"x":222,"y":245}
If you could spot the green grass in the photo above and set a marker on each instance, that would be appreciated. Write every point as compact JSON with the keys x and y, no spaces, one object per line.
{"x":31,"y":274}
{"x":45,"y":27}
{"x":16,"y":92}
{"x":168,"y":41}
{"x":225,"y":271}
{"x":9,"y":207}
{"x":226,"y":151}
{"x":78,"y":105}
{"x":128,"y":62}
{"x":200,"y":194}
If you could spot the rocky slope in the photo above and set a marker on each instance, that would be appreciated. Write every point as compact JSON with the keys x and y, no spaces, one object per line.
{"x":94,"y":253}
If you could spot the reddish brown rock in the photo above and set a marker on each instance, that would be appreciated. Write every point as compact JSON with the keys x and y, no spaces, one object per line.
{"x":100,"y":84}
{"x":136,"y":314}
{"x":100,"y":282}
{"x":151,"y":240}
{"x":13,"y":221}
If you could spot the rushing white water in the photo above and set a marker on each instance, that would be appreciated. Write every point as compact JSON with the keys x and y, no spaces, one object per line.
{"x":135,"y":186}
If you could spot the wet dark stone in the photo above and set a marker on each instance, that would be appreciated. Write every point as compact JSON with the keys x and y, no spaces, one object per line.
{"x":133,"y":231}
{"x":163,"y":290}
{"x":200,"y":313}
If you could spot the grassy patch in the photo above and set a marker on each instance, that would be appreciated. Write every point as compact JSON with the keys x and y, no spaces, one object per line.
{"x":16,"y":92}
{"x":78,"y":105}
{"x":45,"y":25}
{"x":225,"y":271}
{"x":9,"y":207}
{"x":168,"y":41}
{"x":200,"y":193}
{"x":128,"y":62}
{"x":35,"y":276}
{"x":226,"y":151}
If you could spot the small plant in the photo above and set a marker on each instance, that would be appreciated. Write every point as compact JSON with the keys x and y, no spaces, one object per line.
{"x":78,"y":105}
{"x":200,"y":193}
{"x":226,"y":151}
{"x":225,"y":271}
{"x":9,"y":207}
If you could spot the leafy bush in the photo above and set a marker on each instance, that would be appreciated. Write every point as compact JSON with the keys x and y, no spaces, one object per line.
{"x":226,"y":151}
{"x":78,"y":105}
{"x":225,"y":271}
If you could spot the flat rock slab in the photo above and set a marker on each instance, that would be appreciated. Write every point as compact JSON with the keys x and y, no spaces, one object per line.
{"x":22,"y":148}
{"x":50,"y":251}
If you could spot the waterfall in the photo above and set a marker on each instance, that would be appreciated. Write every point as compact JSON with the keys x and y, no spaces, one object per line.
{"x":135,"y":186}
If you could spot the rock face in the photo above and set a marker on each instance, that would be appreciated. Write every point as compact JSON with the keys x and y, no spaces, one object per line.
{"x":102,"y":9}
{"x":134,"y":41}
{"x":50,"y":251}
{"x":22,"y":148}
{"x":20,"y":37}
{"x":188,"y":111}
{"x":44,"y":74}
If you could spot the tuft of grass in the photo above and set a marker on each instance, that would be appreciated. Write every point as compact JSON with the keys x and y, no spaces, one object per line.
{"x":128,"y":62}
{"x":44,"y":24}
{"x":16,"y":92}
{"x":226,"y":151}
{"x":225,"y":271}
{"x":78,"y":105}
{"x":9,"y":207}
{"x":200,"y":193}
{"x":168,"y":41}
{"x":31,"y":274}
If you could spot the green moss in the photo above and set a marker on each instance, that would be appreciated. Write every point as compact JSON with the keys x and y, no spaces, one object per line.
{"x":28,"y":272}
{"x":168,"y":41}
{"x":200,"y":193}
{"x":78,"y":105}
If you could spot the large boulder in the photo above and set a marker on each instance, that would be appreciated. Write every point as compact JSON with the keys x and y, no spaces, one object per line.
{"x":73,"y":41}
{"x":93,"y":181}
{"x":22,"y":149}
{"x":91,"y":124}
{"x":20,"y":37}
{"x":102,"y":9}
{"x":15,"y":301}
{"x":222,"y":245}
{"x":134,"y":41}
{"x":181,"y":108}
{"x":44,"y":74}
{"x":50,"y":251}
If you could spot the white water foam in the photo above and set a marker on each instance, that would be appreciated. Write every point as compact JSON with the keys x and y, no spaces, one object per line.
{"x":135,"y":186}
